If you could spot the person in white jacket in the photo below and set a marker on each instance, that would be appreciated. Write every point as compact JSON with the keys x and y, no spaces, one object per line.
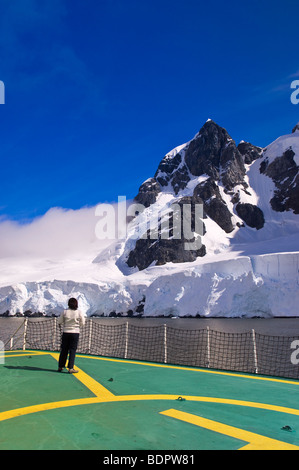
{"x":71,"y":320}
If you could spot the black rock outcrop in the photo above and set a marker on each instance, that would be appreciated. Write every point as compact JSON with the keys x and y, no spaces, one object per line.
{"x":283,"y":171}
{"x":214,"y":207}
{"x":249,"y":152}
{"x":148,"y":192}
{"x":172,"y":170}
{"x":252,"y":215}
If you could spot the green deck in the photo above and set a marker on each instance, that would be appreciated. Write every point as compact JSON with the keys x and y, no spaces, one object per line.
{"x":128,"y":405}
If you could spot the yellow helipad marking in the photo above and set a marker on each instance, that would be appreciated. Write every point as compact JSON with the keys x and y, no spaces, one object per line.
{"x":23,"y":354}
{"x":255,"y":441}
{"x":95,"y":387}
{"x":45,"y":406}
{"x":103,"y":395}
{"x":120,"y":398}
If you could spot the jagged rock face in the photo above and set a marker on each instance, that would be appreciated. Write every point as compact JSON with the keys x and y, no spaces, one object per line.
{"x":219,"y":167}
{"x":284,"y":172}
{"x":214,"y":207}
{"x":214,"y":153}
{"x":155,"y":248}
{"x":148,"y":192}
{"x":174,"y":171}
{"x":162,"y":251}
{"x":249,"y":152}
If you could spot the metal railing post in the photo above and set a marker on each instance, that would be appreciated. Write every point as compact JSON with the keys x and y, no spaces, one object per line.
{"x":165,"y":343}
{"x":89,"y":336}
{"x":208,"y":347}
{"x":25,"y":334}
{"x":54,"y":335}
{"x":254,"y":351}
{"x":126,"y":339}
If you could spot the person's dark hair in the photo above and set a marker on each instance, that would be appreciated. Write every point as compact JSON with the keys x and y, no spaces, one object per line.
{"x":73,"y":304}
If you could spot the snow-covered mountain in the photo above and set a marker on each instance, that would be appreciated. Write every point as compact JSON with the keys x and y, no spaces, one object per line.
{"x":239,"y":258}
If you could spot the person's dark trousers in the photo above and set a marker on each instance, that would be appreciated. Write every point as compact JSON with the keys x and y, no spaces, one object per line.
{"x":69,"y":345}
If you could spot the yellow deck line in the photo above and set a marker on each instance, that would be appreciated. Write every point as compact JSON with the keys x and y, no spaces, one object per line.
{"x":23,"y":354}
{"x":256,"y":441}
{"x":95,"y":387}
{"x":224,"y":401}
{"x":121,"y":398}
{"x":4,"y":415}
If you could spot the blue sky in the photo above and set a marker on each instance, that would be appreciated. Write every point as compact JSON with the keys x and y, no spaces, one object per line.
{"x":97,"y":91}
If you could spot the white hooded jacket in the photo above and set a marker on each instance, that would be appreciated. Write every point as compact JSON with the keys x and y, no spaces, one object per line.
{"x":71,"y":320}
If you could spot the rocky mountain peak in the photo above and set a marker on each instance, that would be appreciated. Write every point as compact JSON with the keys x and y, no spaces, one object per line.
{"x":211,"y":170}
{"x":204,"y":154}
{"x":211,"y":152}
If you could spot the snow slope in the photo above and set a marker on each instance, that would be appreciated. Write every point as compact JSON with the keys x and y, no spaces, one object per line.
{"x":245,"y":273}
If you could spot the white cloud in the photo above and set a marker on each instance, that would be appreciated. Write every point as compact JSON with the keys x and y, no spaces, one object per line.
{"x":57,"y":234}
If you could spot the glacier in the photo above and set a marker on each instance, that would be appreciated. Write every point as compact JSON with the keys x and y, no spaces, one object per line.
{"x":245,"y":286}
